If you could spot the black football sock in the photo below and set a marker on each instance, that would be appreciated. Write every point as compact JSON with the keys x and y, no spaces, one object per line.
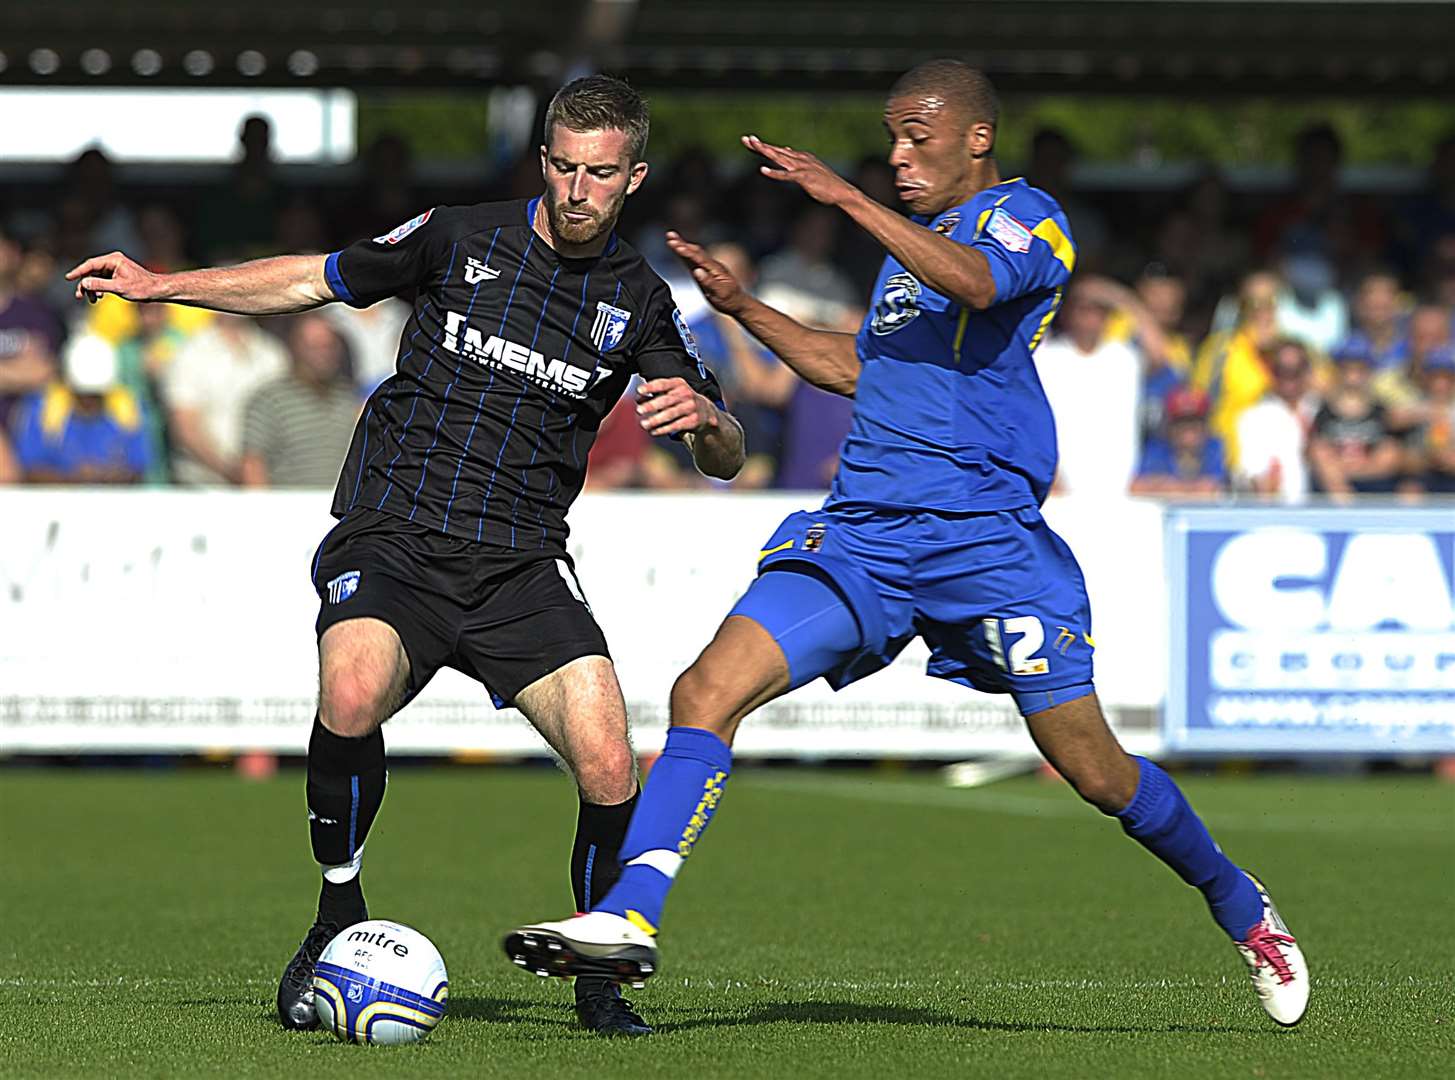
{"x":594,"y":857}
{"x":595,"y":862}
{"x":346,"y":779}
{"x":342,"y":904}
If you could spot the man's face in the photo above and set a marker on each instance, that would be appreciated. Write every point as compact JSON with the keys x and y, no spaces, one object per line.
{"x":1290,"y":374}
{"x":1377,"y":304}
{"x":1085,"y":322}
{"x":1165,"y":298}
{"x":1187,"y":434}
{"x":588,"y":176}
{"x":1354,"y":375}
{"x":1440,"y":384}
{"x":317,"y":350}
{"x":1429,"y":329}
{"x":932,"y":148}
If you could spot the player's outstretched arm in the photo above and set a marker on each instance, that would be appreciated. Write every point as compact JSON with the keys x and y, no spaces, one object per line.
{"x":948,"y":267}
{"x":276,"y":286}
{"x":824,"y":358}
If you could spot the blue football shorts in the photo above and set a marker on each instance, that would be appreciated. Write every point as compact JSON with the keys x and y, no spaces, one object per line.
{"x":997,"y":596}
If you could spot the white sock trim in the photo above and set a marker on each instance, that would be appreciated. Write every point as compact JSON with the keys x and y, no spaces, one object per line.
{"x":343,"y":873}
{"x":661,"y":860}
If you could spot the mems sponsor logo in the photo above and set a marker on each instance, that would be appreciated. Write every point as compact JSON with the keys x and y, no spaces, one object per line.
{"x":498,"y":352}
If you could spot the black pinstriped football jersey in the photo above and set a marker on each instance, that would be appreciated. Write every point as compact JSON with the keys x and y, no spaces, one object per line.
{"x":507,"y":366}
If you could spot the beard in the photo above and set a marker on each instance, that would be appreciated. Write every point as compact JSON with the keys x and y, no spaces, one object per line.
{"x":583,"y":232}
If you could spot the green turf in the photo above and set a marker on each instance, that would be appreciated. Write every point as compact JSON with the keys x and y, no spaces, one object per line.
{"x":831,"y":924}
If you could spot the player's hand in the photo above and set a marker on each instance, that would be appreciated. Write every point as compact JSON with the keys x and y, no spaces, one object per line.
{"x":723,"y":291}
{"x":114,"y":273}
{"x":671,"y":407}
{"x":802,"y":168}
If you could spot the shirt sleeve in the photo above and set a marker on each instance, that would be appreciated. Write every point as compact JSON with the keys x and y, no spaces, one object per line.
{"x":368,"y":271}
{"x":668,"y":350}
{"x":1027,"y":242}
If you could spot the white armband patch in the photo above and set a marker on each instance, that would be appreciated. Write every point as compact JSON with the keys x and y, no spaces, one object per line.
{"x":1012,"y":235}
{"x":404,"y":230}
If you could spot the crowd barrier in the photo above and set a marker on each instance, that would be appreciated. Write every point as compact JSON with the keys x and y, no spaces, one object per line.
{"x":168,"y":620}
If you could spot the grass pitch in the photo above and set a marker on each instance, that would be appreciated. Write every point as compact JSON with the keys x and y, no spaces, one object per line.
{"x":831,"y":925}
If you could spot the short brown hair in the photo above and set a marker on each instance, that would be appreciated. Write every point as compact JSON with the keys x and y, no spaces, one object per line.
{"x":959,"y":84}
{"x":600,"y":103}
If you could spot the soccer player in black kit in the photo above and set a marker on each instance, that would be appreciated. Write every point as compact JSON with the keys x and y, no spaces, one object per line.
{"x":530,"y":319}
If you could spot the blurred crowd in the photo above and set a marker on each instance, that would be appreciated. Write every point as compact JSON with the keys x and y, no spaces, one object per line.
{"x":1212,"y":342}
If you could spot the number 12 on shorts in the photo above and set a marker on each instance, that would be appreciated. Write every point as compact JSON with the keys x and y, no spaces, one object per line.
{"x":1021,"y":658}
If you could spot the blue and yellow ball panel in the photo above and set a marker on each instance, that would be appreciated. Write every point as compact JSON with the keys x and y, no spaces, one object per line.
{"x":361,"y":1009}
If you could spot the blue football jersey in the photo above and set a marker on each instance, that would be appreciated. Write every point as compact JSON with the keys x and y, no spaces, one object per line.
{"x":949,"y":413}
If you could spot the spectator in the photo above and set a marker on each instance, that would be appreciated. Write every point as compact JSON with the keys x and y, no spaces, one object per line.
{"x":1149,"y":318}
{"x":815,"y":422}
{"x":1379,"y":320}
{"x":1189,"y":461}
{"x":300,"y":227}
{"x":1230,"y":365}
{"x":1437,"y":276}
{"x":1094,"y":387}
{"x":753,"y":380}
{"x":1306,"y":308}
{"x":1052,"y":158}
{"x":372,"y":335}
{"x":205,"y":390}
{"x":1273,"y":434}
{"x":387,"y":193}
{"x":1430,"y":447}
{"x":860,"y":254}
{"x":83,"y":429}
{"x":1310,"y":306}
{"x":29,"y":335}
{"x":163,"y":251}
{"x":807,"y":263}
{"x":95,"y":219}
{"x":625,"y":456}
{"x":1316,"y":212}
{"x":1217,"y":250}
{"x":1352,"y":449}
{"x":1399,"y":389}
{"x":297,"y":428}
{"x":143,"y":358}
{"x":239,"y":218}
{"x":1431,"y":213}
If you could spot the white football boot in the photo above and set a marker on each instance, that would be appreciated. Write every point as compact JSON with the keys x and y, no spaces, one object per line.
{"x":598,"y":943}
{"x":1276,"y":964}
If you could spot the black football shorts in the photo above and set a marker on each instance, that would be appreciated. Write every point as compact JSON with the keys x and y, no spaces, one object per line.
{"x":500,"y":615}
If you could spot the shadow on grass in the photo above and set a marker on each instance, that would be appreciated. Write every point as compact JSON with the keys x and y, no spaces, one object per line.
{"x":848,"y":1012}
{"x":512,"y":1010}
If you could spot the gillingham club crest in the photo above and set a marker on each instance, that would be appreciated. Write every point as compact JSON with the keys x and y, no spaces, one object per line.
{"x":609,"y":327}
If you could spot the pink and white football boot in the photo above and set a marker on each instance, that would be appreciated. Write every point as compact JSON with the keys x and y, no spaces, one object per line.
{"x":1276,"y":964}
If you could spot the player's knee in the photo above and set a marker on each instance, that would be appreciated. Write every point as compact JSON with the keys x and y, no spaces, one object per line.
{"x":350,"y":706}
{"x":703,"y":697}
{"x":1104,"y":787}
{"x":608,"y":775}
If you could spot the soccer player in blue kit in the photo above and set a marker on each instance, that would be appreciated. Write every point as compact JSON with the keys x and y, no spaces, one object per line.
{"x":932,"y":528}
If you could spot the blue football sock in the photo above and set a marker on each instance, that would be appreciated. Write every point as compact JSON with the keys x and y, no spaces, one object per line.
{"x":680,"y":796}
{"x":1160,"y":819}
